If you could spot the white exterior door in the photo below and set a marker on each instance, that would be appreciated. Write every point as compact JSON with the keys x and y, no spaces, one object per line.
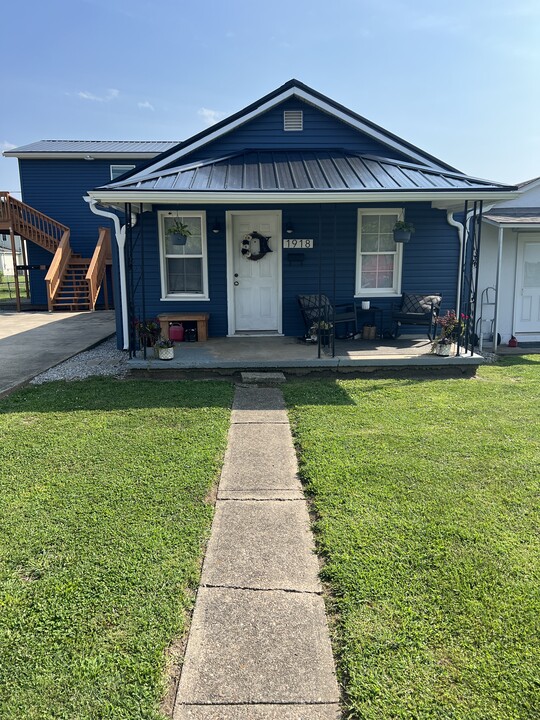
{"x":527,"y":303}
{"x":255,"y":285}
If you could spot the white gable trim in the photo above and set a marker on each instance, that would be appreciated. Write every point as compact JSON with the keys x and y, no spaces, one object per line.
{"x":307,"y":97}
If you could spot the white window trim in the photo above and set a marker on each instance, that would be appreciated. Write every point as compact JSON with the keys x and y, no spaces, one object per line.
{"x":378,"y":292}
{"x":126,"y":168}
{"x":182,"y":297}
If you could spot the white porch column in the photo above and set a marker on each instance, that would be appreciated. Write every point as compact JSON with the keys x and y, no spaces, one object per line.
{"x":497,"y":286}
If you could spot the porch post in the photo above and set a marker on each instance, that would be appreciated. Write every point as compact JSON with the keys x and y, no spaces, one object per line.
{"x":497,"y":286}
{"x":15,"y":272}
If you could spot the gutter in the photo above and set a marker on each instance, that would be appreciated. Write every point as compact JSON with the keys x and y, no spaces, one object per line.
{"x":120,"y":233}
{"x":110,"y":197}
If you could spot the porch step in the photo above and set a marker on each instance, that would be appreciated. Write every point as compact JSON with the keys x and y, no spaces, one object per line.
{"x":260,"y":378}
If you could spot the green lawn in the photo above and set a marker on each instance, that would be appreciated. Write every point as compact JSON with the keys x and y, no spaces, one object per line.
{"x":7,"y":292}
{"x":428,"y":516}
{"x":103,"y":514}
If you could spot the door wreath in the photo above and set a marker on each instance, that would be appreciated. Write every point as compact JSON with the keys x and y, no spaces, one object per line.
{"x":263,"y":245}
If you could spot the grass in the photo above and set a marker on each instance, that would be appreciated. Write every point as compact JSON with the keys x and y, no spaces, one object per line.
{"x":7,"y":292}
{"x":426,"y":494}
{"x":103,"y":516}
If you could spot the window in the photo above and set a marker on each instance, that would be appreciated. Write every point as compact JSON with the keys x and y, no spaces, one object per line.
{"x":117,"y":170}
{"x":184,"y":273}
{"x":378,"y":266}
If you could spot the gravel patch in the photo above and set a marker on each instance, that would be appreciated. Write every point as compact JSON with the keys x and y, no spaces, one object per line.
{"x":104,"y":360}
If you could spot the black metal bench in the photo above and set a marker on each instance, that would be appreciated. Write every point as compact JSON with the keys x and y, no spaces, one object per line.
{"x":420,"y":309}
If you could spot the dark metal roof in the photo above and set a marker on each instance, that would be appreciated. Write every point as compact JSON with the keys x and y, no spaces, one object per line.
{"x":95,"y":146}
{"x":514,"y":216}
{"x":302,"y":170}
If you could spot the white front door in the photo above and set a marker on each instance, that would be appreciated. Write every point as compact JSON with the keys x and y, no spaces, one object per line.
{"x":527,"y":303}
{"x":255,"y":285}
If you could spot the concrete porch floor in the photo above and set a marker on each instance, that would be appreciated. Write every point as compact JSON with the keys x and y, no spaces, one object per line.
{"x":238,"y":353}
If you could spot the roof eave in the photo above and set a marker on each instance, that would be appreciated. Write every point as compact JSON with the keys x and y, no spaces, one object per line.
{"x":279,"y":197}
{"x":79,"y":155}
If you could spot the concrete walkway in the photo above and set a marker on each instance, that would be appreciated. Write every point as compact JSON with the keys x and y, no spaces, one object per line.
{"x":32,"y":342}
{"x":259,"y":647}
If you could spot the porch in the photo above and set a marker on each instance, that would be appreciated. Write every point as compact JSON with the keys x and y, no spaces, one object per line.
{"x":294,"y":355}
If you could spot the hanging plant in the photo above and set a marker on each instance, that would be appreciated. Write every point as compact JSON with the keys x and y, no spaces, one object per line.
{"x":403,"y":231}
{"x":264,"y":247}
{"x":178,"y":232}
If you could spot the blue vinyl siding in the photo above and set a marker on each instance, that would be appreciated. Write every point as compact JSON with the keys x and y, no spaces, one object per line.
{"x":266,"y":133}
{"x":430,"y":260}
{"x":56,"y":188}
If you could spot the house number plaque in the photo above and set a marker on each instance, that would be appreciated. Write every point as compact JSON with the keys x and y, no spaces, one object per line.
{"x":298,"y":243}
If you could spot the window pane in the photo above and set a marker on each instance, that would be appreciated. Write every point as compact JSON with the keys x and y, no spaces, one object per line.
{"x":387,"y":223}
{"x":370,"y":224}
{"x":184,"y":276}
{"x":386,"y":262}
{"x":369,"y":262}
{"x":386,"y":242}
{"x":385,"y":280}
{"x":370,"y":242}
{"x":369,"y":279}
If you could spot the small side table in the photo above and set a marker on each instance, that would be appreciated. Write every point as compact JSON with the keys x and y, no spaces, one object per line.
{"x":373,"y":316}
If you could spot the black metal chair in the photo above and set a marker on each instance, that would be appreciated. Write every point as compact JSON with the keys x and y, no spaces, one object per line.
{"x":318,"y":312}
{"x":420,"y":309}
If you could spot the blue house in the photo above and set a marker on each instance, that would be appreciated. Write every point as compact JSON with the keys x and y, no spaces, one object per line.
{"x":295,"y":194}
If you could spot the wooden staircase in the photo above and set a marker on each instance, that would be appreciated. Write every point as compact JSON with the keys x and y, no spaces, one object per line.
{"x":73,"y":283}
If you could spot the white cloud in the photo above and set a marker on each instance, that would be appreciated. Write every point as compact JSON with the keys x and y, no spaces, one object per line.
{"x":145,"y":105}
{"x":210,"y":116}
{"x":111,"y":94}
{"x":5,"y":145}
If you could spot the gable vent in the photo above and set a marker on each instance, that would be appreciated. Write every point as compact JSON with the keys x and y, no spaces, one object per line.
{"x":293,"y":120}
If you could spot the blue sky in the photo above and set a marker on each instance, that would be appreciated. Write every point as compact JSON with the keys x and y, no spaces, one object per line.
{"x":459,"y":78}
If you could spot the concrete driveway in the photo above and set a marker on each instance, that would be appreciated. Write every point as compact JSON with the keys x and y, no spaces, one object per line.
{"x":32,"y":342}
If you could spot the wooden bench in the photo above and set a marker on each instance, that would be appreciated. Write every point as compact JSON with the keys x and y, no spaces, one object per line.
{"x":200,"y":318}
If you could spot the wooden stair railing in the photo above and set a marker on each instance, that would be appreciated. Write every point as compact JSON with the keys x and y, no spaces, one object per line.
{"x":96,"y":274}
{"x":30,"y":223}
{"x":57,"y":269}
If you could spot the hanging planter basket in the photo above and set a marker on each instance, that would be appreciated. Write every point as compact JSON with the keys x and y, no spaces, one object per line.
{"x":178,"y":239}
{"x":403,"y":231}
{"x":402,"y":236}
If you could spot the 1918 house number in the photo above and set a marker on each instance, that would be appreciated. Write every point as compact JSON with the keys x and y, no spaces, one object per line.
{"x":299,"y":243}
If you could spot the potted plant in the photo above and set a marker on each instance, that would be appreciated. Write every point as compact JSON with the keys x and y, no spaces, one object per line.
{"x":148,"y":331}
{"x":165,"y":349}
{"x":403,"y":231}
{"x":178,"y":232}
{"x":452,"y":328}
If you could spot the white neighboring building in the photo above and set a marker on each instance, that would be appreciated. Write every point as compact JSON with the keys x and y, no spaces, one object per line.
{"x":6,"y":256}
{"x":510,"y":261}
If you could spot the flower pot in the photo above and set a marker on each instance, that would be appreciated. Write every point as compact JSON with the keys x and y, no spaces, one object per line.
{"x":166,"y":353}
{"x":178,"y":239}
{"x":402,"y":236}
{"x":443,"y":349}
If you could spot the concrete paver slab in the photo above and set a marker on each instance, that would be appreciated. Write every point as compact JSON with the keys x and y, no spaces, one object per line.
{"x":262,"y":377}
{"x":31,"y":343}
{"x":248,"y":646}
{"x":260,"y":457}
{"x":258,"y":405}
{"x":261,"y":545}
{"x":257,"y":712}
{"x":272,"y":494}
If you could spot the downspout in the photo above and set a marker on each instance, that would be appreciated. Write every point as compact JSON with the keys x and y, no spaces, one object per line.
{"x":120,"y":232}
{"x":497,"y":287}
{"x":461,"y":234}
